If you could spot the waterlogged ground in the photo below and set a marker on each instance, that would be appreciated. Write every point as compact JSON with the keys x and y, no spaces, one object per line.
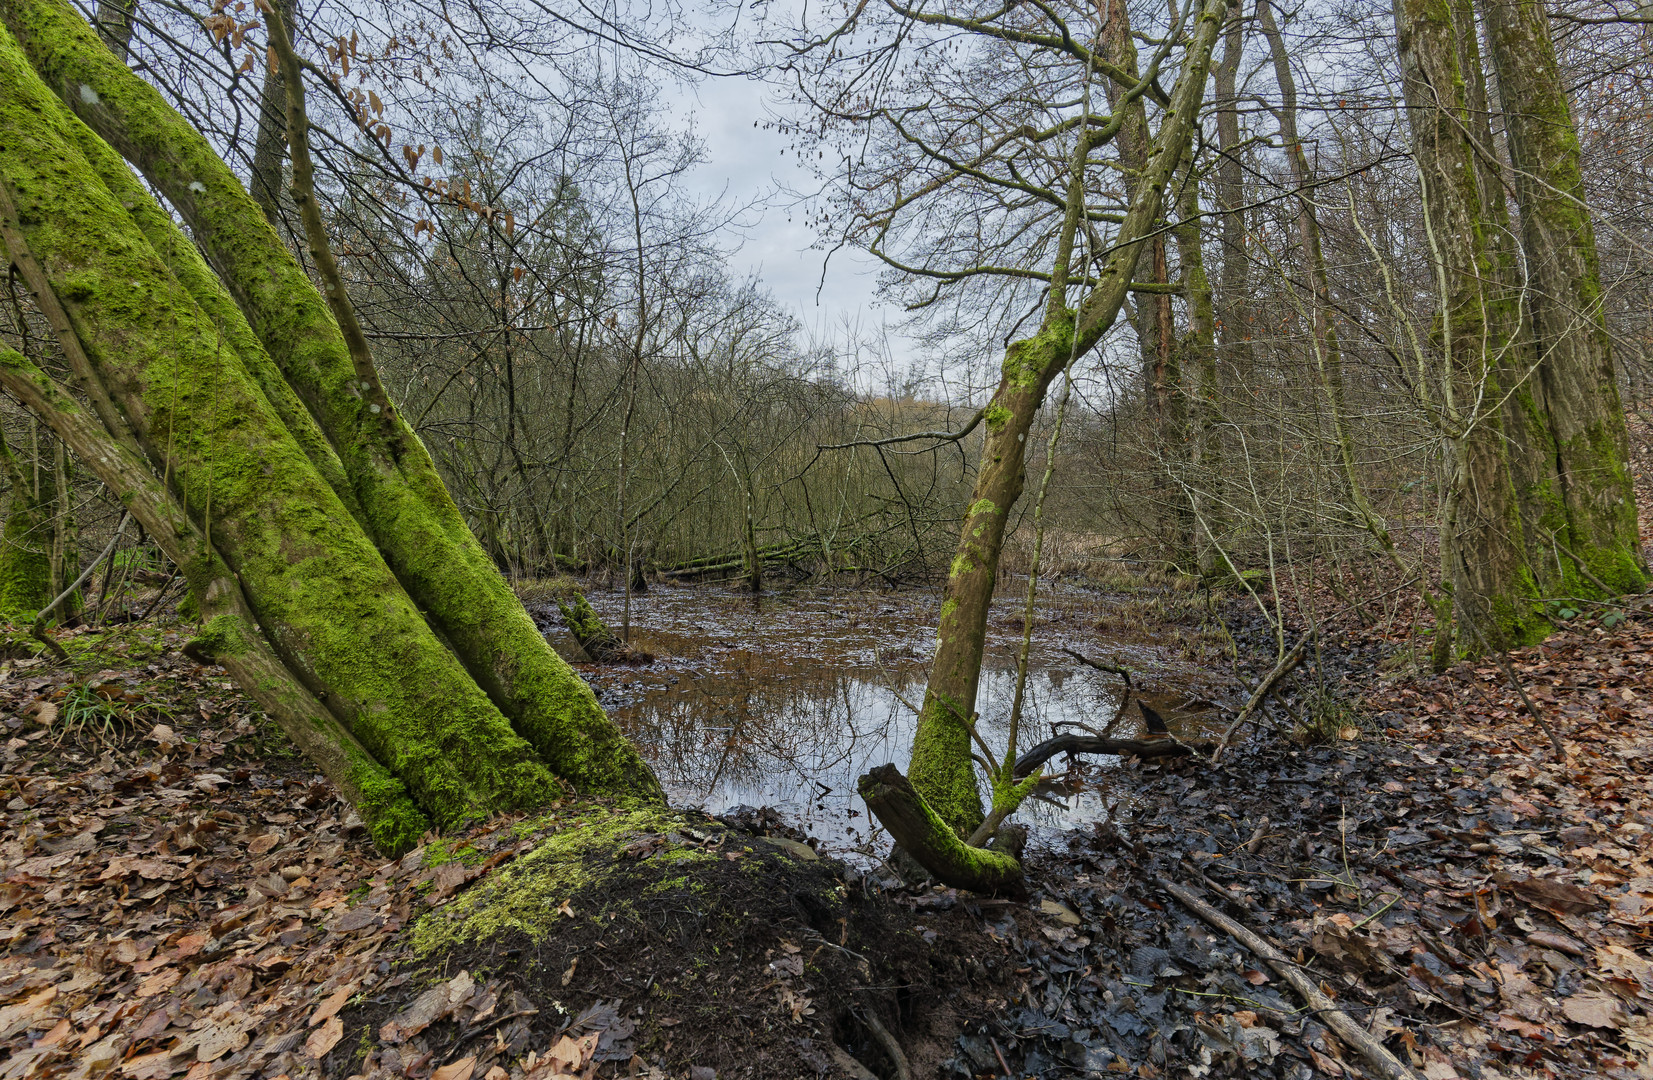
{"x":785,"y":700}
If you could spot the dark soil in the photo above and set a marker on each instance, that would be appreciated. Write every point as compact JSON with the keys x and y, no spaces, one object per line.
{"x":764,"y":965}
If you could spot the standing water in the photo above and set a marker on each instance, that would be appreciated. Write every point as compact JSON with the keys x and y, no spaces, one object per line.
{"x":784,"y":700}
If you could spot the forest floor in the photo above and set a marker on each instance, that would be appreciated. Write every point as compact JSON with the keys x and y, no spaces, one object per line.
{"x":181,"y":896}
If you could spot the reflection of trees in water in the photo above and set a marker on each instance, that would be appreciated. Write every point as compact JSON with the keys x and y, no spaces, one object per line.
{"x":785,"y":734}
{"x":792,"y":733}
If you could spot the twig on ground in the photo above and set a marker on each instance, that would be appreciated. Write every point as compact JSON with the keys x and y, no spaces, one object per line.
{"x":1532,"y":710}
{"x":1291,"y":660}
{"x":1376,"y":1054}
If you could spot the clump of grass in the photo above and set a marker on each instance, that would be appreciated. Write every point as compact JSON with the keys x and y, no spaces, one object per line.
{"x":1326,"y":718}
{"x":545,"y":590}
{"x":84,"y":715}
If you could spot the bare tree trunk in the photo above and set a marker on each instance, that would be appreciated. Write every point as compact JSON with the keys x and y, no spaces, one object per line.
{"x":270,"y":144}
{"x":1197,"y":364}
{"x":115,"y":25}
{"x":1232,"y":301}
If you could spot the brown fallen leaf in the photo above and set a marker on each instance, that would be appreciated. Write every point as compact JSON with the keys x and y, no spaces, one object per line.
{"x":1594,"y":1008}
{"x":27,"y":1014}
{"x":1255,"y":977}
{"x":571,"y":1055}
{"x":457,"y":1070}
{"x":160,"y":982}
{"x":220,"y":1039}
{"x":1555,"y":895}
{"x":329,"y":1008}
{"x":324,"y":1038}
{"x":1545,"y":939}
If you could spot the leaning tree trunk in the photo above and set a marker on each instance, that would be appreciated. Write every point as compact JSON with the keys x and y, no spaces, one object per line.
{"x":358,"y":442}
{"x":1482,"y":548}
{"x":1581,"y":526}
{"x":317,"y":547}
{"x":941,"y":769}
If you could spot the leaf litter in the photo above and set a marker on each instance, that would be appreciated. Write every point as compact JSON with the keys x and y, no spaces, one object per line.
{"x":182,"y":896}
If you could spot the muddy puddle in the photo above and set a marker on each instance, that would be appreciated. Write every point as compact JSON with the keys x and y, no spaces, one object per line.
{"x":785,"y":700}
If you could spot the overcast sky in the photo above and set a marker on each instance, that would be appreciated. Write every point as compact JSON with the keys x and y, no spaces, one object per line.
{"x":747,"y":162}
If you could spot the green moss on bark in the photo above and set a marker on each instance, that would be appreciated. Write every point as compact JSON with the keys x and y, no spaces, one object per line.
{"x":941,"y":769}
{"x":406,"y":510}
{"x":330,"y":606}
{"x":25,"y":560}
{"x":527,"y":896}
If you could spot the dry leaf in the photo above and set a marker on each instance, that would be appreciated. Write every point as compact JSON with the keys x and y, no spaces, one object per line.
{"x":324,"y":1038}
{"x":458,"y":1070}
{"x":1594,"y":1008}
{"x":329,"y":1008}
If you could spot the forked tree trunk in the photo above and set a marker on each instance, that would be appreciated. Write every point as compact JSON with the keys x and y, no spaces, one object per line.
{"x":941,"y":769}
{"x":352,"y":601}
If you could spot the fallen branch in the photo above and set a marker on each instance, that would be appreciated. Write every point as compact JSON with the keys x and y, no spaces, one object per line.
{"x":1092,"y":744}
{"x":892,"y":1049}
{"x":1291,"y":660}
{"x":1122,"y":672}
{"x":1376,"y":1054}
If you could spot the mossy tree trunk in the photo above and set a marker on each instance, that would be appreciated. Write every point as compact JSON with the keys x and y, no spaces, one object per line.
{"x":941,"y":769}
{"x":1579,"y":506}
{"x":361,"y":590}
{"x":358,"y":439}
{"x":1478,"y":331}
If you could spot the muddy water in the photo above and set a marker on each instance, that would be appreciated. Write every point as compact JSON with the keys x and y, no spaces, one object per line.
{"x":785,"y":700}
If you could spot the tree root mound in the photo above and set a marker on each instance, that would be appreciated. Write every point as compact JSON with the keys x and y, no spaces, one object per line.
{"x":682,"y":944}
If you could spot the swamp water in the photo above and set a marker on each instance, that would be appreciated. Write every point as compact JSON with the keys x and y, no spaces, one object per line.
{"x":786,"y":699}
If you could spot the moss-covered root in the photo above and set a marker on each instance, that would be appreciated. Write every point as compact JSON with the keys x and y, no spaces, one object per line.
{"x":529,"y":896}
{"x":25,"y":543}
{"x":406,"y":510}
{"x":392,"y":820}
{"x":923,"y":835}
{"x":324,"y":597}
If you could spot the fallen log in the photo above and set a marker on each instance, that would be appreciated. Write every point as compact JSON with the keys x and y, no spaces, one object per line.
{"x":917,"y":829}
{"x":1384,"y":1063}
{"x":599,"y":642}
{"x":1092,"y":744}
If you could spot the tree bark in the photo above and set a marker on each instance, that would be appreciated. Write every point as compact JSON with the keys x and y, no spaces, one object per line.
{"x":270,"y":144}
{"x":1483,"y":552}
{"x":1584,"y":511}
{"x":387,"y":472}
{"x":232,"y":636}
{"x":941,"y":768}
